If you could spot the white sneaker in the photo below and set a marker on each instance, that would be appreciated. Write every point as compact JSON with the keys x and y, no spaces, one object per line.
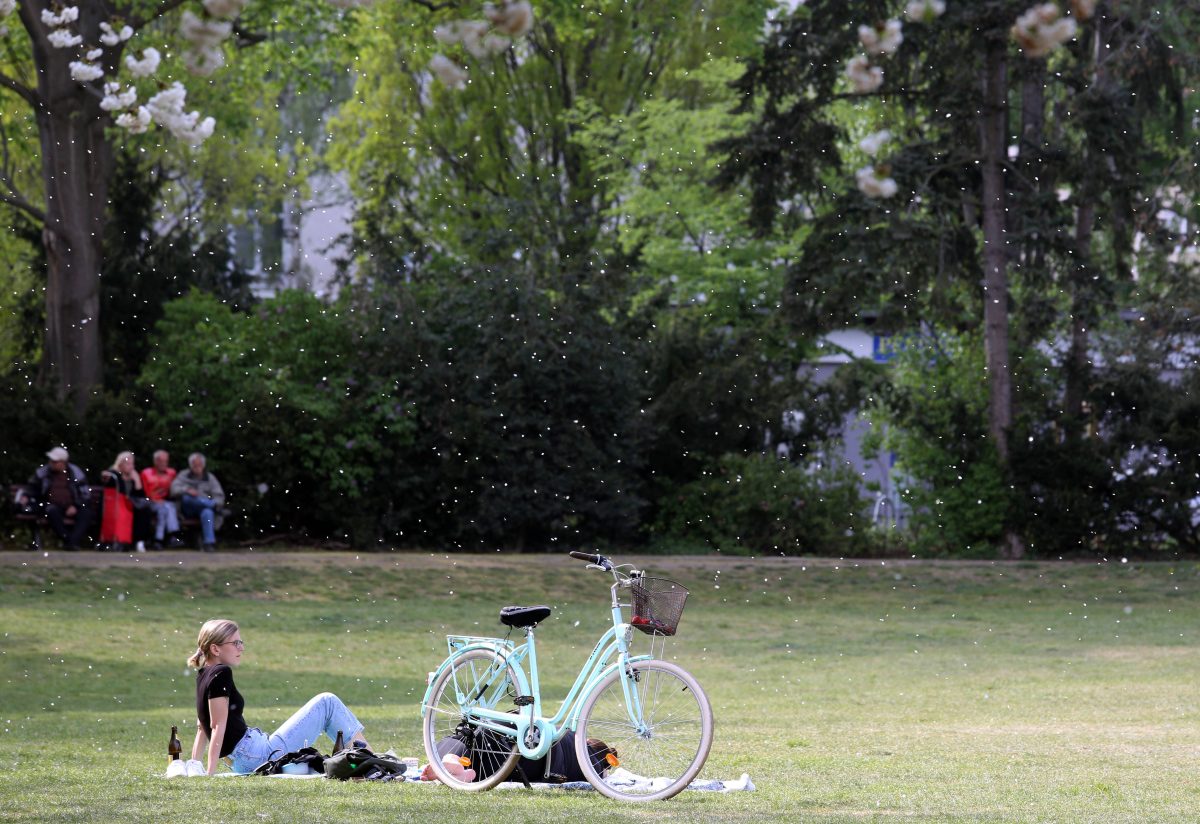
{"x":195,"y":768}
{"x":177,"y":769}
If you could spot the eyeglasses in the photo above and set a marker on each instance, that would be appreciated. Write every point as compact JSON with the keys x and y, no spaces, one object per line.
{"x":238,"y":644}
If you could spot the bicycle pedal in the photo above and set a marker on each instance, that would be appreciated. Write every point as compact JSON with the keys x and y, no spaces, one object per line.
{"x":523,"y":700}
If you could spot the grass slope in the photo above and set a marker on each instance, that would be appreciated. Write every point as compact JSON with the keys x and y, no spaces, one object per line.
{"x":850,"y":691}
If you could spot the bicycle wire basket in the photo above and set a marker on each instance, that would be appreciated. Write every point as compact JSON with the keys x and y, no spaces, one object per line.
{"x":657,"y":605}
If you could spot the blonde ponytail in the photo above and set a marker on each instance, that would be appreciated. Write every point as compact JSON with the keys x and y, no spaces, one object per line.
{"x":197,"y":659}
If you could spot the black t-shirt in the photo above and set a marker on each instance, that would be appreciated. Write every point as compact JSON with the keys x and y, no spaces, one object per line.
{"x":217,"y":682}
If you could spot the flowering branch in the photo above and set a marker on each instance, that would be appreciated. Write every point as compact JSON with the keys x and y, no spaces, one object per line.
{"x":163,"y":8}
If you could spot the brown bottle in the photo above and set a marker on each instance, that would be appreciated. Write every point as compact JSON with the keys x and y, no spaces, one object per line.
{"x":174,"y":748}
{"x":339,"y":744}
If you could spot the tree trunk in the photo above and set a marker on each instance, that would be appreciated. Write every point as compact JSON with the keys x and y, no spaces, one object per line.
{"x":993,"y":143}
{"x":76,"y":163}
{"x":1077,"y":368}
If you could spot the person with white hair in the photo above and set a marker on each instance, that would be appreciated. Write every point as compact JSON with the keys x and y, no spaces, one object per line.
{"x":200,"y":496}
{"x":61,"y":490}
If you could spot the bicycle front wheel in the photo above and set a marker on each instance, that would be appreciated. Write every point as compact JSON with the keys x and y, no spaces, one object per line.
{"x":661,"y":732}
{"x":477,"y":678}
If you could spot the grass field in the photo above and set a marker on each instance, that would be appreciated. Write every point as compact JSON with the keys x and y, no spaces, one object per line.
{"x":849,"y":691}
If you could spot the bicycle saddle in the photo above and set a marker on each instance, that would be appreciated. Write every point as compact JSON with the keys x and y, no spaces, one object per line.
{"x":523,"y":616}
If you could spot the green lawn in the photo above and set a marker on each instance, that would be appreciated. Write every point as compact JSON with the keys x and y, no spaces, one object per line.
{"x":849,"y":691}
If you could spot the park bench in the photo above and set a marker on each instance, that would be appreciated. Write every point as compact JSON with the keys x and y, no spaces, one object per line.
{"x":189,"y":528}
{"x":36,"y":519}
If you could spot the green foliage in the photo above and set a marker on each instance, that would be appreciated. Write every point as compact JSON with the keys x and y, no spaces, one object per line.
{"x":688,"y":239}
{"x":1129,"y":480}
{"x":21,"y":307}
{"x":491,"y":173}
{"x":299,"y":425}
{"x":758,"y":505}
{"x":529,"y":410}
{"x":932,"y":416}
{"x":144,"y":268}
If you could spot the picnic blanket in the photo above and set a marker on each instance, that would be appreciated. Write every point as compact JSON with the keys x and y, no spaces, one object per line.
{"x":623,"y":778}
{"x":619,"y":776}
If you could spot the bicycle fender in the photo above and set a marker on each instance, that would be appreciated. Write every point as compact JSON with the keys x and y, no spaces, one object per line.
{"x":522,"y":681}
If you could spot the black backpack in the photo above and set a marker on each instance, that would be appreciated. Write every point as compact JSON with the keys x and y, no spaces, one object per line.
{"x":359,"y":762}
{"x":307,"y":755}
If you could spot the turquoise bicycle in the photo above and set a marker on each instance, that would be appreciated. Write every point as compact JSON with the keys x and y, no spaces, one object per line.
{"x":642,"y":726}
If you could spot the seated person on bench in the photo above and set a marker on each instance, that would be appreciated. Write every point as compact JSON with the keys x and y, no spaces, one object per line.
{"x":200,"y":496}
{"x":61,"y":491}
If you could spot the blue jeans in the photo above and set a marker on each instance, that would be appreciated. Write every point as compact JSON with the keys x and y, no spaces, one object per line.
{"x":166,"y":518}
{"x":324,"y":713}
{"x":202,"y":508}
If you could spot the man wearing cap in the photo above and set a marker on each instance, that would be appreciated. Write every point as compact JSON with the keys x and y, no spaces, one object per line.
{"x":62,"y":491}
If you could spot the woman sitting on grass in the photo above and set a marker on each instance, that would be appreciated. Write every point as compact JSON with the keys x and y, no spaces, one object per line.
{"x":220,"y":728}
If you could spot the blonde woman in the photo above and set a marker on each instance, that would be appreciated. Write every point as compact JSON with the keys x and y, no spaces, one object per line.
{"x":221,"y":730}
{"x":121,"y":485}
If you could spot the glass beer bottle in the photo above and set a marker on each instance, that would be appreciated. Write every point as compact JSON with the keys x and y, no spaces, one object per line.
{"x":174,"y":748}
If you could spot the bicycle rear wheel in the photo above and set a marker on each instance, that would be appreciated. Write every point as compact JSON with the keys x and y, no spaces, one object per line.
{"x":662,"y":747}
{"x":477,"y":678}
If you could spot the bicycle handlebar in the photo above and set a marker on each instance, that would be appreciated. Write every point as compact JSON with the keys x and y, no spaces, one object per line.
{"x":596,"y":558}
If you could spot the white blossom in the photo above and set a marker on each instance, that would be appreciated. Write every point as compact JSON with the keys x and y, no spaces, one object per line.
{"x":194,"y":131}
{"x":168,"y":103}
{"x":513,"y":19}
{"x":224,"y":8}
{"x":136,"y":122}
{"x":872,"y":185}
{"x":472,"y":34}
{"x":145,"y":67}
{"x":111,"y":37}
{"x":63,"y":38}
{"x":863,"y":76}
{"x":68,"y":15}
{"x":83,"y":72}
{"x":1083,"y":9}
{"x":94,"y":54}
{"x":447,"y":71}
{"x":204,"y":62}
{"x":493,"y":44}
{"x":115,"y":99}
{"x":1042,"y":29}
{"x":452,"y":33}
{"x":166,"y":108}
{"x":872,"y":143}
{"x":923,"y":11}
{"x":203,"y":33}
{"x":883,"y":38}
{"x":7,"y":7}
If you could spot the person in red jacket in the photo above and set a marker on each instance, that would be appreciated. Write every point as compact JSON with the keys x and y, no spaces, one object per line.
{"x":156,"y":481}
{"x":121,"y":485}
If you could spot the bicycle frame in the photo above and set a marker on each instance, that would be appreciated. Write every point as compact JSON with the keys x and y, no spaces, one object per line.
{"x":534,"y":732}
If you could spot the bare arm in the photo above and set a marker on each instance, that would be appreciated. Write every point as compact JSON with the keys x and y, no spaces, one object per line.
{"x":200,"y":743}
{"x":218,"y":715}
